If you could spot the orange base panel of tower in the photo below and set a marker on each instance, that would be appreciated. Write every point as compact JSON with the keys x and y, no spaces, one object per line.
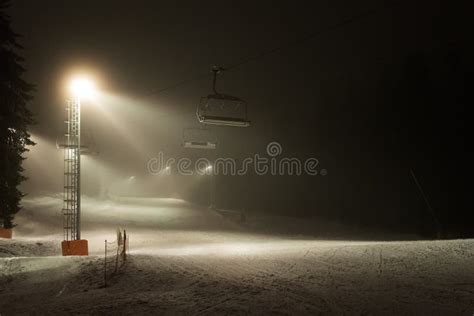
{"x":75,"y":247}
{"x":6,"y":233}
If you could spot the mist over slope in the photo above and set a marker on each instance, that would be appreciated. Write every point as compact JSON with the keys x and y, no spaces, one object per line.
{"x":189,"y":260}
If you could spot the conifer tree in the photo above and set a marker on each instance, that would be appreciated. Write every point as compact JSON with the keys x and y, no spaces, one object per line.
{"x":15,"y":93}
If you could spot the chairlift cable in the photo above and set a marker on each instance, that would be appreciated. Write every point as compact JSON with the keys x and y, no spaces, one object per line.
{"x":309,"y":37}
{"x":277,"y":49}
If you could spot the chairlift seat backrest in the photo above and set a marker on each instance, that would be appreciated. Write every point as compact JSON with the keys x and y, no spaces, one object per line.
{"x":221,"y":109}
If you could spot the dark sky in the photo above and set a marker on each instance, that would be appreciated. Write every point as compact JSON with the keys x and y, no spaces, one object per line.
{"x":345,"y":97}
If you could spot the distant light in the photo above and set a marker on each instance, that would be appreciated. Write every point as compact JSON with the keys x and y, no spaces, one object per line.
{"x":209,"y":167}
{"x":131,"y":178}
{"x":82,"y":87}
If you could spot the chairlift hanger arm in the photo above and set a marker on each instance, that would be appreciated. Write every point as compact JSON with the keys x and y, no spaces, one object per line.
{"x":216,"y":70}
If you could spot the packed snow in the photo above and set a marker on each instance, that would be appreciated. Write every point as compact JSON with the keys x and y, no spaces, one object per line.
{"x":189,"y":260}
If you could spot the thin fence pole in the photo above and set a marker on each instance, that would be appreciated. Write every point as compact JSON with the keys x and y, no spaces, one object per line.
{"x":118,"y":251}
{"x":105,"y":264}
{"x":125,"y":240}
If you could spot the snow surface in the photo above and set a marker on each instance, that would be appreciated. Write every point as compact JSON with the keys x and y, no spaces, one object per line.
{"x":189,"y":260}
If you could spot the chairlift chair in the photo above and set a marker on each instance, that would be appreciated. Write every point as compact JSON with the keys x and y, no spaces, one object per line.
{"x":222,"y":109}
{"x":198,"y":138}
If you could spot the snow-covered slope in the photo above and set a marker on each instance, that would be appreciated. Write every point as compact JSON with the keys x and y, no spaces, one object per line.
{"x":186,"y":260}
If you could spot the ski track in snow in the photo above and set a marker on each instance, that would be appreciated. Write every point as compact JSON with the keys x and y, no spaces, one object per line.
{"x":186,"y":260}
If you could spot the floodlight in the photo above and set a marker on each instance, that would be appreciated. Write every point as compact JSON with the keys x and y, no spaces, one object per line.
{"x":82,"y":87}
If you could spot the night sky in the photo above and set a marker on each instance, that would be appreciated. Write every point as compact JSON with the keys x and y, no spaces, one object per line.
{"x":373,"y":89}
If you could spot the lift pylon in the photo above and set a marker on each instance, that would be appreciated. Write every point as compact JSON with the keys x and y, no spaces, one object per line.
{"x":72,"y":244}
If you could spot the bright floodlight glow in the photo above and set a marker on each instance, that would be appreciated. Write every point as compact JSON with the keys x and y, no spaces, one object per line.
{"x":82,"y":87}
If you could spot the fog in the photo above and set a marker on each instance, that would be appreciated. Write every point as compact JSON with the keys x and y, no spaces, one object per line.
{"x":355,"y":98}
{"x":335,"y":177}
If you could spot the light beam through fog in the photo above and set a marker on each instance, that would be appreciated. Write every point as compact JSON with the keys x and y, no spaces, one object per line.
{"x":117,"y":113}
{"x":340,"y":181}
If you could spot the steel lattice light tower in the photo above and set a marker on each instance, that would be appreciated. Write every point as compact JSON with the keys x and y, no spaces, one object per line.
{"x":73,"y":244}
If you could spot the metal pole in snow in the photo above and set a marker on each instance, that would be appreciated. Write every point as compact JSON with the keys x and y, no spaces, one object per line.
{"x":125,"y":239}
{"x":79,"y":170}
{"x":425,"y":198}
{"x":105,"y":265}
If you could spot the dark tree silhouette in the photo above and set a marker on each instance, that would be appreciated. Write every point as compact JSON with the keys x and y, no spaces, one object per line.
{"x":15,"y":118}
